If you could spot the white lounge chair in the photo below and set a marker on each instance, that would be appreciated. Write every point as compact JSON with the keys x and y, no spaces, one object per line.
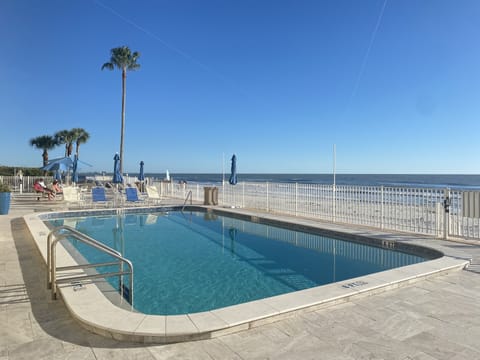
{"x":72,"y":195}
{"x":152,"y":195}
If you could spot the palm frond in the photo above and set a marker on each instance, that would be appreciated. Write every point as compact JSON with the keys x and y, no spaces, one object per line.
{"x":108,"y":66}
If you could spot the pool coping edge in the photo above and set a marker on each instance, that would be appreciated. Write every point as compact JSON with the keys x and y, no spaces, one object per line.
{"x":95,"y":312}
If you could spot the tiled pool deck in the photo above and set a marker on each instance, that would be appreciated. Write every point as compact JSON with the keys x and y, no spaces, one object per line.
{"x":434,"y":318}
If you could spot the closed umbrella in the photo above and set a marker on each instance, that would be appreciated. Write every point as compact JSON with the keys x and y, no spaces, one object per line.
{"x":75,"y":169}
{"x":141,"y":175}
{"x":117,"y":176}
{"x":233,"y":175}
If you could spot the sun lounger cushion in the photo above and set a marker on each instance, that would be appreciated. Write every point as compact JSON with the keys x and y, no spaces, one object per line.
{"x":132,"y":194}
{"x":98,"y":194}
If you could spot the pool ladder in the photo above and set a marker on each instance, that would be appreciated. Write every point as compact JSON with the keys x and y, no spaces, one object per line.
{"x":63,"y":232}
{"x":189,"y":195}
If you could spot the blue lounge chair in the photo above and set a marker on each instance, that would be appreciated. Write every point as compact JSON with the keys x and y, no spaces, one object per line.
{"x":132,"y":194}
{"x":98,"y":194}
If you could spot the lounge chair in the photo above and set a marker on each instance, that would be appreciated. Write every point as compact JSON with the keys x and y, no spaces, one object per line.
{"x":39,"y":189}
{"x":152,"y":195}
{"x":99,"y":196}
{"x":72,"y":195}
{"x":132,"y":195}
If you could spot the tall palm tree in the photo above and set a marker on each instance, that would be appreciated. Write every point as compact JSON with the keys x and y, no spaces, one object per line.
{"x":81,"y":137}
{"x":123,"y":59}
{"x":66,"y":137}
{"x":45,"y":143}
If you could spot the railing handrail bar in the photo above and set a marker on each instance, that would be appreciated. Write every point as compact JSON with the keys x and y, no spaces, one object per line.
{"x":78,"y":235}
{"x":92,"y":276}
{"x":189,"y":195}
{"x":82,"y":235}
{"x":86,"y":266}
{"x":51,"y":273}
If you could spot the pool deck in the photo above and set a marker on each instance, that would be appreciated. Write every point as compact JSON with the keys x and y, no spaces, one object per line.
{"x":436,"y":317}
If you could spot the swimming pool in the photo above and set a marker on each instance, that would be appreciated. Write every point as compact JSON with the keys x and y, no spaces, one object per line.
{"x":198,"y":261}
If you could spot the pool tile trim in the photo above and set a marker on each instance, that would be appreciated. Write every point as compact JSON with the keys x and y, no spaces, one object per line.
{"x":95,"y":312}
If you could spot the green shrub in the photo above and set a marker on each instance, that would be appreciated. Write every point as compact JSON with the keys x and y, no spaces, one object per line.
{"x":4,"y":188}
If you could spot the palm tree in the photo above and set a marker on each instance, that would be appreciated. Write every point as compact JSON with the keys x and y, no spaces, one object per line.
{"x":124,"y":59}
{"x":66,"y":137}
{"x":45,"y":143}
{"x":81,"y":137}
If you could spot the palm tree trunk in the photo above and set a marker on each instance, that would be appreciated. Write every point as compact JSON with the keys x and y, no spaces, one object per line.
{"x":45,"y":160}
{"x":122,"y":134}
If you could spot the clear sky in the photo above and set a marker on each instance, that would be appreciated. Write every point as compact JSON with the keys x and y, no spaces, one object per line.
{"x":394,"y":84}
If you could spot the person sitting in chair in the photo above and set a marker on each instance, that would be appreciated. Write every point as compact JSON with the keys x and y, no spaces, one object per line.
{"x":56,"y":187}
{"x":39,"y":187}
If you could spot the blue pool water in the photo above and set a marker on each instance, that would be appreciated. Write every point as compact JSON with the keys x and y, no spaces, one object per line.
{"x":193,"y":262}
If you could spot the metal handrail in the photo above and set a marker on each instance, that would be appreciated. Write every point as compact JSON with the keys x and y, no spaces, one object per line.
{"x":189,"y":195}
{"x":52,"y":280}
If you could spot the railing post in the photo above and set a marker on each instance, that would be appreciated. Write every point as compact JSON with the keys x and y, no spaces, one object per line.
{"x":49,"y":260}
{"x":267,"y":199}
{"x":296,"y":199}
{"x":53,"y":270}
{"x":334,"y":203}
{"x":446,"y":206}
{"x":382,"y":208}
{"x":243,"y":194}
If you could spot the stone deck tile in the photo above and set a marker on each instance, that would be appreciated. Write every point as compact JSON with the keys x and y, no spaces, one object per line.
{"x":436,"y":318}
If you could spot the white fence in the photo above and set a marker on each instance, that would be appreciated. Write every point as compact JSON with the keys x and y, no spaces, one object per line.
{"x":405,"y":209}
{"x":24,"y":183}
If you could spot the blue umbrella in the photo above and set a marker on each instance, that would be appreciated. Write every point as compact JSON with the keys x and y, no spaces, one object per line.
{"x":117,"y":177}
{"x":141,"y":175}
{"x":74,"y":171}
{"x":233,"y":176}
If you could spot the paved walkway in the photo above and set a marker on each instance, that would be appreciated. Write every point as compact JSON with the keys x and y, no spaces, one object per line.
{"x":438,"y":318}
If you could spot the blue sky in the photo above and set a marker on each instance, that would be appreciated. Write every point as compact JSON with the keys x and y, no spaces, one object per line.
{"x":394,"y":84}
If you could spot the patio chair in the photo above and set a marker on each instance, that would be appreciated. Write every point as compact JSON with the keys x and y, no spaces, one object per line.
{"x":42,"y":192}
{"x":99,"y":196}
{"x":152,"y":195}
{"x":132,"y":195}
{"x":72,"y":195}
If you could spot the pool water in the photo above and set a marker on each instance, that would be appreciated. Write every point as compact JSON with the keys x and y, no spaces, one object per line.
{"x":192,"y":262}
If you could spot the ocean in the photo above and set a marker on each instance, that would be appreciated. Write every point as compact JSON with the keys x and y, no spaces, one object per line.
{"x":405,"y":180}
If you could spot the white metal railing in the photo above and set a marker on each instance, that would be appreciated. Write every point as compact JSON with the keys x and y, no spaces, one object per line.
{"x":63,"y":232}
{"x":407,"y":209}
{"x":189,"y":196}
{"x":25,"y":183}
